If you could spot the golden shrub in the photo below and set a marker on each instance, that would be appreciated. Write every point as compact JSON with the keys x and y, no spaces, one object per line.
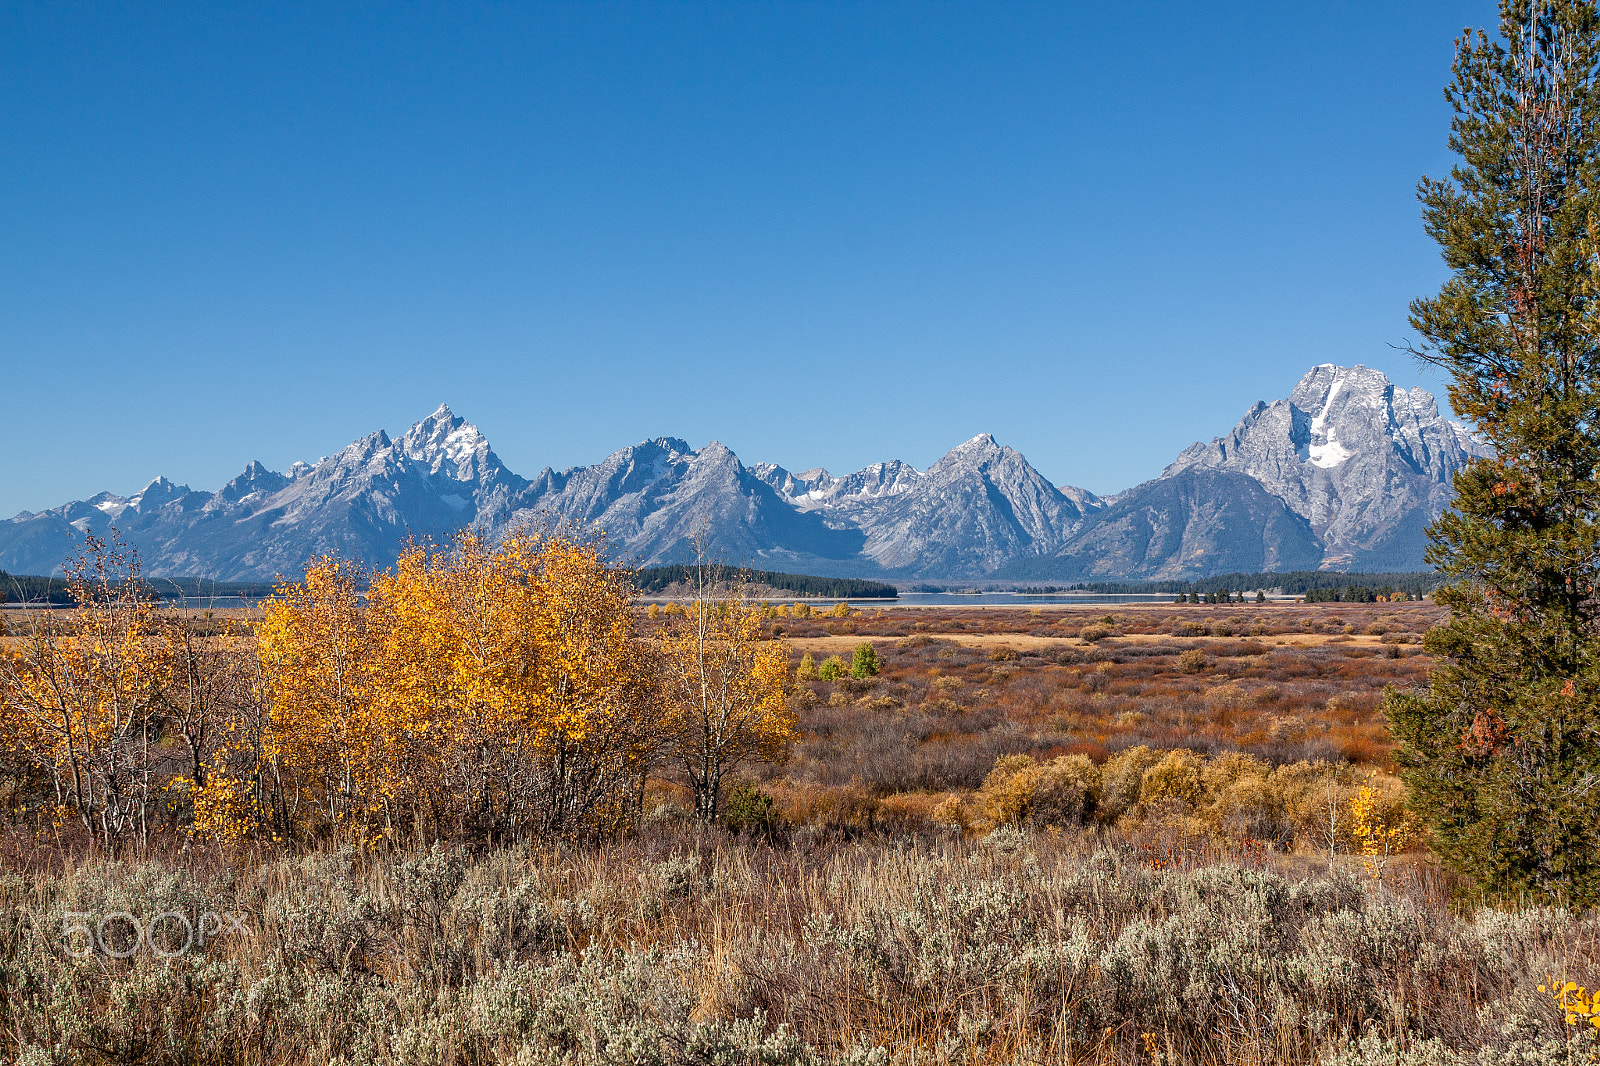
{"x":1061,"y":792}
{"x":1175,"y":777}
{"x":1121,"y":778}
{"x":1227,"y":697}
{"x":952,"y":812}
{"x":1224,"y":770}
{"x":1249,"y":808}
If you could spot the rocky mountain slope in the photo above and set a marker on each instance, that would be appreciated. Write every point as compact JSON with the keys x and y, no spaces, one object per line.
{"x":1345,"y":473}
{"x":975,"y":510}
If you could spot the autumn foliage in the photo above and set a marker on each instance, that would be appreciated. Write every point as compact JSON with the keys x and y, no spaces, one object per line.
{"x":80,"y":702}
{"x":473,"y":691}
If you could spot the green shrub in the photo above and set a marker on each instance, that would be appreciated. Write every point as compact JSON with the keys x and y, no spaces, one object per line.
{"x":748,"y":809}
{"x":864,"y":663}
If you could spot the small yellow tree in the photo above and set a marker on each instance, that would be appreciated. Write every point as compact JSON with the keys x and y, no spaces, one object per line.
{"x":330,"y":746}
{"x":584,"y":690}
{"x":1379,"y":824}
{"x":213,"y":706}
{"x":724,"y":689}
{"x":79,"y":697}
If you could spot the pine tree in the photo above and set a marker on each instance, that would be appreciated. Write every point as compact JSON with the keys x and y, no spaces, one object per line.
{"x":864,"y":663}
{"x":1501,"y":753}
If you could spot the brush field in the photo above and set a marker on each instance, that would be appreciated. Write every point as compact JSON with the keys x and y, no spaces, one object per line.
{"x":1127,"y":834}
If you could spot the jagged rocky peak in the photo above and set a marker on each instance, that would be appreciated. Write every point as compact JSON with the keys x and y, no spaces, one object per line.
{"x":639,"y":464}
{"x":715,"y":461}
{"x":108,"y":503}
{"x":156,"y":493}
{"x":255,"y":480}
{"x":982,"y":446}
{"x":449,"y":445}
{"x":360,"y":450}
{"x":982,"y":454}
{"x":1365,"y":463}
{"x":816,"y":488}
{"x":1359,"y":397}
{"x":1085,"y":500}
{"x":877,"y":481}
{"x":1336,"y":419}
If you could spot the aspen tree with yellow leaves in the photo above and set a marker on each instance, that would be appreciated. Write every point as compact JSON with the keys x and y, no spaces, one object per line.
{"x":724,"y":690}
{"x":517,"y":680}
{"x":475,"y":690}
{"x":212,"y":708}
{"x":329,"y":746}
{"x":78,"y":697}
{"x":593,"y":719}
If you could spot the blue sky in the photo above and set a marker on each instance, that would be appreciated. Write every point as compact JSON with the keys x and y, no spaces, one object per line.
{"x":825,"y":234}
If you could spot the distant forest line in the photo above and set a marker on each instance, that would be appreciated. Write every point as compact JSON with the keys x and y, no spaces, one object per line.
{"x":659,"y":578}
{"x":1313,"y":584}
{"x":1293,"y":583}
{"x":21,"y":588}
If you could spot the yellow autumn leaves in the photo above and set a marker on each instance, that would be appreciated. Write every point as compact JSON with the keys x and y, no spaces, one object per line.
{"x":76,"y":701}
{"x":725,"y":687}
{"x":473,"y":690}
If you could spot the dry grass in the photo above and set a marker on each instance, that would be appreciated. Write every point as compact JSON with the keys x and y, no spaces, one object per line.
{"x":677,"y":947}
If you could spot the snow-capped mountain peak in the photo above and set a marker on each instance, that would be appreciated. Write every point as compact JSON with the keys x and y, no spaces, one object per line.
{"x":1351,"y":454}
{"x":450,"y":446}
{"x":158,"y":492}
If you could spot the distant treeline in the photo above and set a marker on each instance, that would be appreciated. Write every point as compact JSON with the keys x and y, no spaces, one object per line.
{"x":1315,"y":585}
{"x":19,"y":588}
{"x":1362,"y":593}
{"x":657,"y":578}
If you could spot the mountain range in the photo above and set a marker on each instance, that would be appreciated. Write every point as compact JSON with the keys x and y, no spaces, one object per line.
{"x":1343,"y":474}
